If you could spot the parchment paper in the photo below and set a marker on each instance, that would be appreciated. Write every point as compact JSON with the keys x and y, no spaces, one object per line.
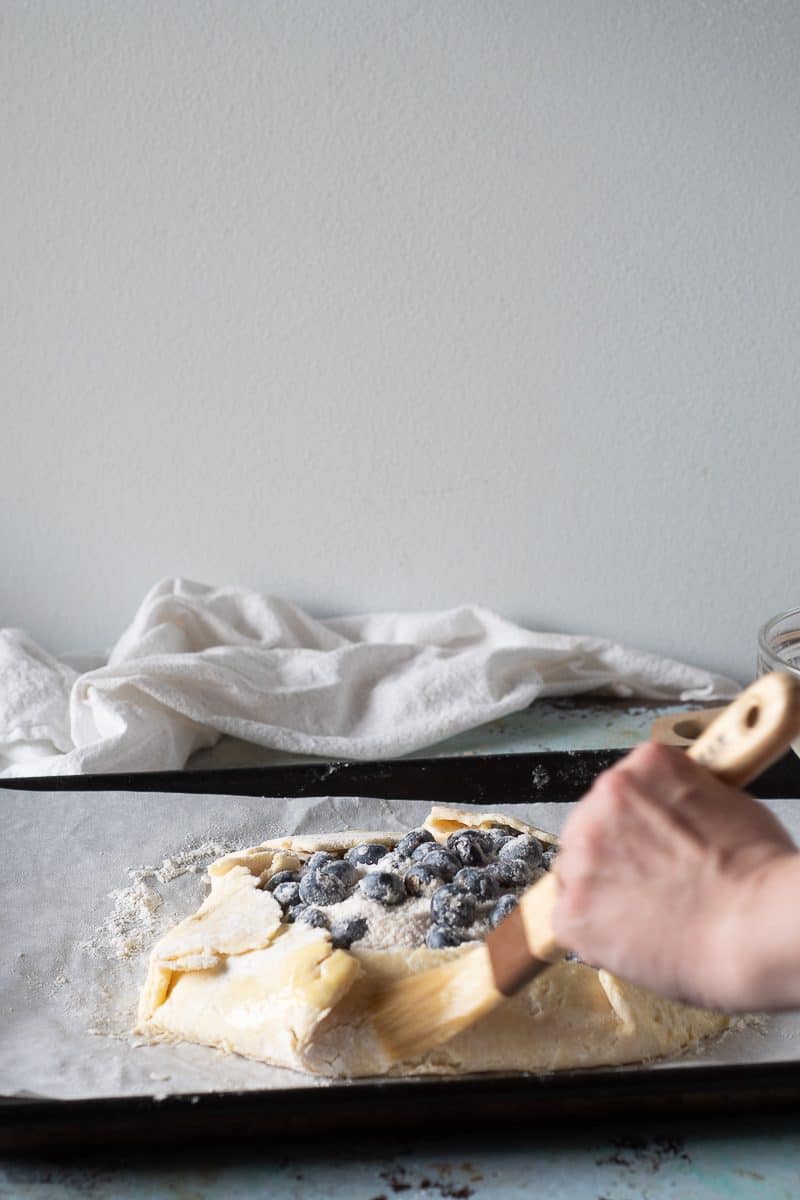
{"x":67,"y":999}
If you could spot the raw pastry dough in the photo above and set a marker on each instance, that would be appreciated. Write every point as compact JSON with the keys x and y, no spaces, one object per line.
{"x":236,"y":976}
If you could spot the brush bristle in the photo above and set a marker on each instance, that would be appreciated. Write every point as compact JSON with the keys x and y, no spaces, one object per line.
{"x":420,"y":1012}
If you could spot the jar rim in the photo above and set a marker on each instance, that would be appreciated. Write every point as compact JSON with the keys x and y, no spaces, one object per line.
{"x":765,"y":646}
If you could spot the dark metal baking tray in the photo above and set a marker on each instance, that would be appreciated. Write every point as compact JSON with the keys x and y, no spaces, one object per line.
{"x":557,"y":775}
{"x":403,"y":1107}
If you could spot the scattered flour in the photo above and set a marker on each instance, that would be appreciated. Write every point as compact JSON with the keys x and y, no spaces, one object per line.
{"x":133,"y":921}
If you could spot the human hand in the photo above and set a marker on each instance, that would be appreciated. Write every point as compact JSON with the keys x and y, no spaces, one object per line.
{"x":660,"y":873}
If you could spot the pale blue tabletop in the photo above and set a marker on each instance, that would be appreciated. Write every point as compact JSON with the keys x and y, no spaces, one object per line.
{"x":738,"y":1158}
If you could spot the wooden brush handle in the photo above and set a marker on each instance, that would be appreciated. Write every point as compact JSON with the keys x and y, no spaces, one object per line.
{"x":536,"y":906}
{"x":752,"y":731}
{"x":739,"y":744}
{"x":683,"y":728}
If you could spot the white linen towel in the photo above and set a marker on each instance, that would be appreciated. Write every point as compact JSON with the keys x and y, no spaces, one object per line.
{"x":199,"y":662}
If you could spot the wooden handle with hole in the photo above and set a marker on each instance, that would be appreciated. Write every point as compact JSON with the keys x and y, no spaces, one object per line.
{"x":754,"y":730}
{"x":682,"y":728}
{"x":738,"y":743}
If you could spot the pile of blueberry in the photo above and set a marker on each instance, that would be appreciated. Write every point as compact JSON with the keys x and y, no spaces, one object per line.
{"x":474,"y":877}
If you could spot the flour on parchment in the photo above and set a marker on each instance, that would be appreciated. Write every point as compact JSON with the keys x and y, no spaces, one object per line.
{"x":134,"y":919}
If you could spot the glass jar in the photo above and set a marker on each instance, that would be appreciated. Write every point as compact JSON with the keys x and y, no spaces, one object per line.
{"x":779,"y":648}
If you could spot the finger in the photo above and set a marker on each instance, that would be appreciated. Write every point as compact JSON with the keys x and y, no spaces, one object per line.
{"x":651,"y":840}
{"x":619,"y":806}
{"x":664,"y":772}
{"x":713,"y":810}
{"x":706,"y":804}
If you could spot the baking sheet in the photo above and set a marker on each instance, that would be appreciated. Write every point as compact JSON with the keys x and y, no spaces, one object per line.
{"x":91,"y":880}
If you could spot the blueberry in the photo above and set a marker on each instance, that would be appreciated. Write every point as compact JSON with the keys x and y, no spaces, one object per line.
{"x":468,"y":880}
{"x":548,"y":857}
{"x":344,"y":933}
{"x":394,"y":864}
{"x":412,"y":841}
{"x":420,"y":879}
{"x":318,"y":859}
{"x":498,"y":835}
{"x":419,"y":852}
{"x":498,"y":842}
{"x":441,"y":862}
{"x":502,"y":831}
{"x":281,"y":877}
{"x":295,"y":912}
{"x":344,"y":871}
{"x":511,"y":872}
{"x":504,"y":906}
{"x":392,"y":861}
{"x":480,"y":884}
{"x":529,"y":849}
{"x":312,"y":916}
{"x":439,"y":938}
{"x":366,"y":855}
{"x":319,"y":887}
{"x":384,"y":887}
{"x":287,"y":893}
{"x":472,"y":846}
{"x":452,"y":907}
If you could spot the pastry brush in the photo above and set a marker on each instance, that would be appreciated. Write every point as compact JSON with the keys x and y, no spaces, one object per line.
{"x":416,"y":1014}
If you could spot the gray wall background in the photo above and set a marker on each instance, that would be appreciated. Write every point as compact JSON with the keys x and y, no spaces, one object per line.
{"x":387,"y":304}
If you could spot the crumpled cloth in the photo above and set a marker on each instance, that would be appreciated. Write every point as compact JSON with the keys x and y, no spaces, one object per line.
{"x":198,"y":662}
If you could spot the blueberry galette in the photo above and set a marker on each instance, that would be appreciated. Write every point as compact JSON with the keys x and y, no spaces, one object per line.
{"x":281,"y":959}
